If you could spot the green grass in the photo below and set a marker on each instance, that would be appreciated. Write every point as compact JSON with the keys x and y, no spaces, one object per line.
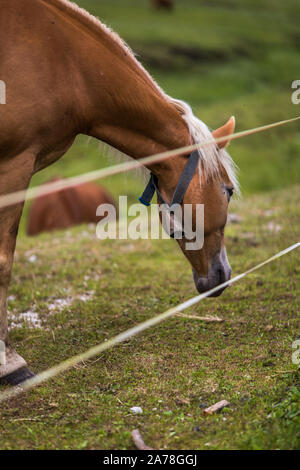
{"x":247,"y":55}
{"x":172,"y":370}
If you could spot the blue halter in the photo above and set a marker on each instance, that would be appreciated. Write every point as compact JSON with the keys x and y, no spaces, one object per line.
{"x":181,"y":188}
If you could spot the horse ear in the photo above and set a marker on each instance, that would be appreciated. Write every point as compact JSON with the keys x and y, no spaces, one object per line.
{"x":227,"y":129}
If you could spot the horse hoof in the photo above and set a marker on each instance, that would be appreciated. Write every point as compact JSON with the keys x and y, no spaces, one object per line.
{"x":17,"y":377}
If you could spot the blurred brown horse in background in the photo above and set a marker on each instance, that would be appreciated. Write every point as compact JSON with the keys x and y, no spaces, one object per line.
{"x":163,"y":4}
{"x":66,"y":74}
{"x":66,"y":208}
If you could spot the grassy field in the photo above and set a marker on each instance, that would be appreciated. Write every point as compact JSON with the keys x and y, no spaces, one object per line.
{"x":223,"y":57}
{"x":173,"y":370}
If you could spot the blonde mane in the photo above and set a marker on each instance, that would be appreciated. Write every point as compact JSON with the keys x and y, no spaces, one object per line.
{"x":211,"y":159}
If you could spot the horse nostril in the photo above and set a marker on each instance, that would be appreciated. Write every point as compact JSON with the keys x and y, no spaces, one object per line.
{"x":221,"y":274}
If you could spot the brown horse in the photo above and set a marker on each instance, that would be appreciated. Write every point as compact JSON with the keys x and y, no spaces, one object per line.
{"x":165,"y":4}
{"x":66,"y":73}
{"x":66,"y":208}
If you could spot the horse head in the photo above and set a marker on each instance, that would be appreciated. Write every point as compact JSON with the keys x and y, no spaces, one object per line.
{"x":211,"y":187}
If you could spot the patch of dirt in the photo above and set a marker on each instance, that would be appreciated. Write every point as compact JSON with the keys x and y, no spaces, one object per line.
{"x":31,"y":317}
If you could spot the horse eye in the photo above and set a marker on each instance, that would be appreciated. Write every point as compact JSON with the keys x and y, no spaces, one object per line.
{"x":229,"y":192}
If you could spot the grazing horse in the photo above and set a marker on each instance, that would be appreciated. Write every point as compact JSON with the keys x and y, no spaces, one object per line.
{"x":66,"y":208}
{"x":166,"y":4}
{"x":66,"y":73}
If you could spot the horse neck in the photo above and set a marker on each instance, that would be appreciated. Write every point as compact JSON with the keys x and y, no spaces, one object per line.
{"x":125,"y":109}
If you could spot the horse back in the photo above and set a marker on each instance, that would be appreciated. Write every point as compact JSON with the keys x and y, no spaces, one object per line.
{"x":38,"y":68}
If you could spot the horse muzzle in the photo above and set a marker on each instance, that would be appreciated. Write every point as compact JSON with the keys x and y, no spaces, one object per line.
{"x":219,"y":272}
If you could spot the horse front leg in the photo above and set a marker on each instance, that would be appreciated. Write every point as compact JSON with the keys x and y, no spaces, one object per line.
{"x":13,"y":368}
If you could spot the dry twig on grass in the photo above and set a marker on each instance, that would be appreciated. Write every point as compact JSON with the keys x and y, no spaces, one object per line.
{"x":208,"y":318}
{"x":216,"y":407}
